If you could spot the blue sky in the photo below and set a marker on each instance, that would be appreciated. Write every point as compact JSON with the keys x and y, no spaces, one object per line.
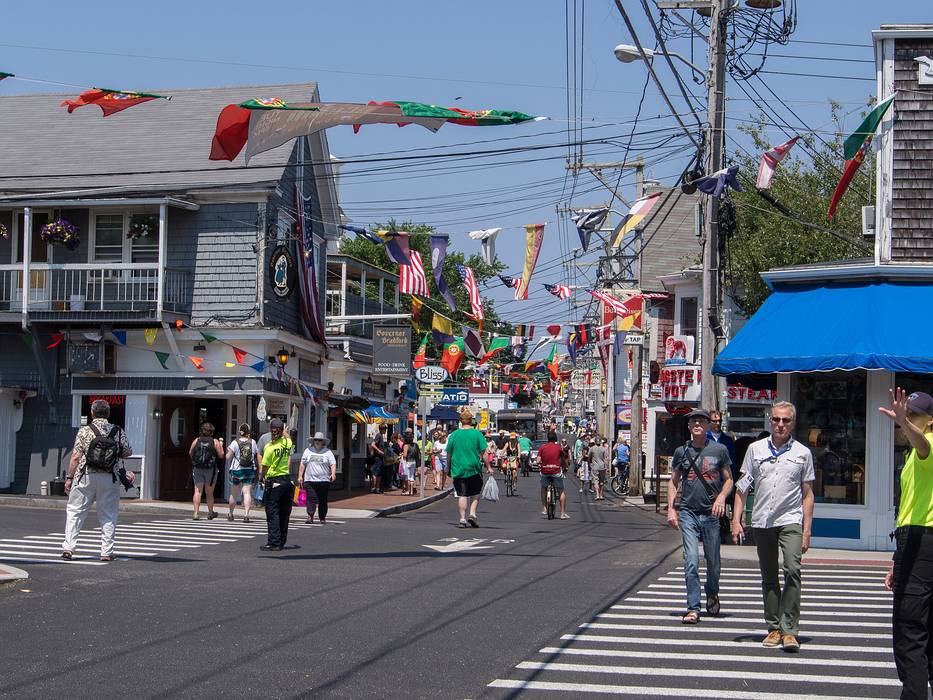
{"x":508,"y":55}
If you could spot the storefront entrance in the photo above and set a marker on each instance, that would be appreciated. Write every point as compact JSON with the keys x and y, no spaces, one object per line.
{"x":181,"y":423}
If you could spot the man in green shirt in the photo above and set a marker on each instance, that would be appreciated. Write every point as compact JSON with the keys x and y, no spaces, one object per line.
{"x":524,"y":453}
{"x":465,"y":449}
{"x":278,"y":486}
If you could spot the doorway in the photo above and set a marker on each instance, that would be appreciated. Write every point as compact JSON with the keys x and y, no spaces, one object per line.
{"x":182,"y":418}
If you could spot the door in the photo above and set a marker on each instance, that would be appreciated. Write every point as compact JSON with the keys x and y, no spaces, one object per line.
{"x":177,"y":432}
{"x":39,"y":254}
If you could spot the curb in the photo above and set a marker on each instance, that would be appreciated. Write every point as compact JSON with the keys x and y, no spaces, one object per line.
{"x":9,"y":574}
{"x":413,"y":505}
{"x":59,"y":503}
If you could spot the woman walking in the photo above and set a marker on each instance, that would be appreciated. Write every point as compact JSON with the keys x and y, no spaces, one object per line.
{"x":317,"y":471}
{"x":204,"y":452}
{"x":440,"y":460}
{"x":242,"y":466}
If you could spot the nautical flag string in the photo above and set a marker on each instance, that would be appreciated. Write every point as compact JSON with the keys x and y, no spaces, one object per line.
{"x":411,"y":277}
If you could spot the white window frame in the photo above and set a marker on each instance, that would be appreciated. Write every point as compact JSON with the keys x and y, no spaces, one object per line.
{"x":127,"y":244}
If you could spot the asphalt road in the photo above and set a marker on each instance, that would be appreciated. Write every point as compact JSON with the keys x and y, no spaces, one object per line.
{"x":359,"y":609}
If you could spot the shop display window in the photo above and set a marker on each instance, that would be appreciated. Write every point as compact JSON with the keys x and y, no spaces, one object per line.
{"x":831,"y":422}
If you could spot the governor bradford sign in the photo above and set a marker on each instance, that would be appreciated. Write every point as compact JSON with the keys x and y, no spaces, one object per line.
{"x":391,"y":350}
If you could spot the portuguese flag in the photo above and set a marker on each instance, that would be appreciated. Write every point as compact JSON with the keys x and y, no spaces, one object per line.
{"x":866,"y":129}
{"x":552,"y":362}
{"x":421,"y":354}
{"x":110,"y":101}
{"x":453,"y":356}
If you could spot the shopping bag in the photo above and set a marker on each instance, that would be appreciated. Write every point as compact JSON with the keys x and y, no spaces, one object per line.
{"x":490,"y":490}
{"x":302,"y":498}
{"x":258,"y":492}
{"x":296,"y":497}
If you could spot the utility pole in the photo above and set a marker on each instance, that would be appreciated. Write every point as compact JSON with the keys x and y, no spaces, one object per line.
{"x":711,"y":393}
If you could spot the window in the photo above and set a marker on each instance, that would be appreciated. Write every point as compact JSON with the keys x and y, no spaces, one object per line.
{"x":108,"y":238}
{"x":688,"y":316}
{"x":831,"y":422}
{"x":113,"y":241}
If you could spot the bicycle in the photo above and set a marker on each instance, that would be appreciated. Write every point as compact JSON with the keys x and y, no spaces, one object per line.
{"x":509,"y":482}
{"x":619,"y":481}
{"x":525,"y":461}
{"x":551,"y":498}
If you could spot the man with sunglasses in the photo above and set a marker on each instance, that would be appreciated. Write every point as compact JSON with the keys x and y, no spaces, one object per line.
{"x":781,"y":471}
{"x":278,"y":486}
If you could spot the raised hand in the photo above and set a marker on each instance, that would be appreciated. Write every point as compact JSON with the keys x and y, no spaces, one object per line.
{"x":898,"y":408}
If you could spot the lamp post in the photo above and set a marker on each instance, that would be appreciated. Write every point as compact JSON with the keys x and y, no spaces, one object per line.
{"x":626,"y":53}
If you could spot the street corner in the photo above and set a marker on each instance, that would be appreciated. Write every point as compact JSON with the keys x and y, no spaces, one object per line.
{"x":10,"y":576}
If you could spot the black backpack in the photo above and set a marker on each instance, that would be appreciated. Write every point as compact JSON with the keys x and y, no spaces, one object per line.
{"x":414,"y":452}
{"x":204,"y":454}
{"x":246,"y":453}
{"x":103,"y":451}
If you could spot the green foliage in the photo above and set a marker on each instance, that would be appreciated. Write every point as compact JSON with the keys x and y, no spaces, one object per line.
{"x":765,"y":238}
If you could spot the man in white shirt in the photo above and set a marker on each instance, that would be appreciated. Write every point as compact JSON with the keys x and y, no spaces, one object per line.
{"x":781,"y":471}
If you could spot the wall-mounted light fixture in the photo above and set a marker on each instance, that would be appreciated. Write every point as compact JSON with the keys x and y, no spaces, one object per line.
{"x":200,"y":348}
{"x":282,"y":356}
{"x":156,"y":414}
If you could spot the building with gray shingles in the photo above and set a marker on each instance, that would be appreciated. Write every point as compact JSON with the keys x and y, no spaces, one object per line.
{"x":202,"y":266}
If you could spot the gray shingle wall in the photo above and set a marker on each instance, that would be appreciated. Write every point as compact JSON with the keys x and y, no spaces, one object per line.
{"x":912,"y":196}
{"x":670,"y":237}
{"x":215,"y":246}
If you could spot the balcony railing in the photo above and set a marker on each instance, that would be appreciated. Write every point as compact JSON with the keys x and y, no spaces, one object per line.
{"x":71,"y":289}
{"x":355,"y":306}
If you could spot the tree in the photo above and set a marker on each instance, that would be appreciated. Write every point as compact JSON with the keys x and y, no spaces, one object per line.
{"x":765,"y":238}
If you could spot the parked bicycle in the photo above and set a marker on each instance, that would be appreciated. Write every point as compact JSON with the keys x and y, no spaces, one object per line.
{"x":619,"y":481}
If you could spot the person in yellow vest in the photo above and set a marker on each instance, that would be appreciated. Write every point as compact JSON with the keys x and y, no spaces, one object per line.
{"x":277,"y":485}
{"x":911,"y":573}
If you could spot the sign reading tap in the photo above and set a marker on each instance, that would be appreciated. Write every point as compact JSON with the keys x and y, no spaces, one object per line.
{"x":431,"y":375}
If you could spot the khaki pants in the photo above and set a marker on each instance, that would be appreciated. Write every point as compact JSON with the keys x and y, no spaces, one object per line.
{"x":782,"y":607}
{"x":93,"y":487}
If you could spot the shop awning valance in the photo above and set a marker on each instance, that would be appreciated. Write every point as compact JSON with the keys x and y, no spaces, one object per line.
{"x":821,"y":327}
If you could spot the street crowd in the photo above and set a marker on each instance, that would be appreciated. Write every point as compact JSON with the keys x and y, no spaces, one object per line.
{"x":706,"y":499}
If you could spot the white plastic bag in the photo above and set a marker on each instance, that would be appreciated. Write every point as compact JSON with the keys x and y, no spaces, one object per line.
{"x":490,"y":490}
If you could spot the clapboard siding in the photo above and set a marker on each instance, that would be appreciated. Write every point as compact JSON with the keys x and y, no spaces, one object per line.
{"x":671,"y":243}
{"x":912,"y":192}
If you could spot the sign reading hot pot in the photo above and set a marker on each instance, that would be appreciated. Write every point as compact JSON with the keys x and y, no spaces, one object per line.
{"x":391,"y":350}
{"x":283,"y":274}
{"x":680,"y":383}
{"x":431,"y":375}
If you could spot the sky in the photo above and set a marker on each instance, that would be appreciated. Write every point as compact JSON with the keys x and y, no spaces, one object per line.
{"x":482,"y":54}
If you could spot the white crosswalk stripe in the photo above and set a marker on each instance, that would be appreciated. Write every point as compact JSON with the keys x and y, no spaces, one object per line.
{"x":139,"y":540}
{"x":638,"y":647}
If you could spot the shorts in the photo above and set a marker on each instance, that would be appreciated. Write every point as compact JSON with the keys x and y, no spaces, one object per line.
{"x":440,"y":464}
{"x":203,"y":476}
{"x":376,"y":469}
{"x":558,"y":481}
{"x":468,"y":485}
{"x":244,"y":477}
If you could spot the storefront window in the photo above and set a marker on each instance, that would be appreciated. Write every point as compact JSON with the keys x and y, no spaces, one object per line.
{"x":831,"y":422}
{"x":909,"y":383}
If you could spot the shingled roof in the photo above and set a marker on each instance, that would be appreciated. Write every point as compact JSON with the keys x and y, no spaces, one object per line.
{"x":158,"y":146}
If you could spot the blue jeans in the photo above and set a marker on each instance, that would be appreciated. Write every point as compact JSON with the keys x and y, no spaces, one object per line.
{"x":692,"y":526}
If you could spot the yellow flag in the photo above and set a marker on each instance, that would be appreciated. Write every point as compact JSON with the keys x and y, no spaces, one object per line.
{"x":534,"y":235}
{"x":442,"y":325}
{"x":150,"y":334}
{"x":416,"y":321}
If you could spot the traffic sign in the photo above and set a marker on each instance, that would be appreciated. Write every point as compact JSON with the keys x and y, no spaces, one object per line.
{"x":431,"y":375}
{"x":455,"y":396}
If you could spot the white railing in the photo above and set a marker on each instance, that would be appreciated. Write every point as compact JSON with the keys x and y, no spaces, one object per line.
{"x":83,"y":287}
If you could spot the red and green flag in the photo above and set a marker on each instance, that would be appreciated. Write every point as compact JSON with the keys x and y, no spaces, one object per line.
{"x":848,"y":173}
{"x":496,"y":345}
{"x":5,"y":75}
{"x":110,"y":101}
{"x":866,"y":129}
{"x":553,"y":362}
{"x":421,"y":359}
{"x":453,"y":356}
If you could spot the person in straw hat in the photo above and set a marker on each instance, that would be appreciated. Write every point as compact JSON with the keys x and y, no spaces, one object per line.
{"x":318,"y":469}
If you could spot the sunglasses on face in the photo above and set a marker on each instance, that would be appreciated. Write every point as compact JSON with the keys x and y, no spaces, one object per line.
{"x":781,"y":419}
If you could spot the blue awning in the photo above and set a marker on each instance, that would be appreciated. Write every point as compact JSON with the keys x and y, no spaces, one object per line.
{"x":819,"y":327}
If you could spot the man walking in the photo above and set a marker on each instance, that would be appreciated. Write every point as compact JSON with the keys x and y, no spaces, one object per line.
{"x":599,"y":464}
{"x":781,"y":471}
{"x":92,"y":477}
{"x":278,"y":486}
{"x":465,"y":449}
{"x":701,"y":472}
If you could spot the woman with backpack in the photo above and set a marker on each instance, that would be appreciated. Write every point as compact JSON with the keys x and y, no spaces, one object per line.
{"x":318,"y":469}
{"x":242,"y":466}
{"x":204,"y":452}
{"x":408,"y":467}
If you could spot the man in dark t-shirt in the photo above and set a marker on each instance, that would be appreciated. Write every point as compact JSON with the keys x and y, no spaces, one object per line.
{"x":702,"y":477}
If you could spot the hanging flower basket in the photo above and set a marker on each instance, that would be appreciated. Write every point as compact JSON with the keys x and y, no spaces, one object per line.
{"x":4,"y":233}
{"x":143,"y":226}
{"x":61,"y":232}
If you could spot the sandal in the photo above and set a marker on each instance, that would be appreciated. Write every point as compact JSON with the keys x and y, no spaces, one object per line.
{"x":66,"y":554}
{"x":691,"y":618}
{"x":712,"y":605}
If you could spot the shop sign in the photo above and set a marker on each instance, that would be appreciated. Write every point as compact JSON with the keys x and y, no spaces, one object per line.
{"x":368,"y":387}
{"x":455,"y":396}
{"x":391,"y":350}
{"x":679,"y":350}
{"x":112,"y":399}
{"x":431,"y":375}
{"x":680,"y":383}
{"x":276,"y":406}
{"x":282,"y":272}
{"x":736,"y":393}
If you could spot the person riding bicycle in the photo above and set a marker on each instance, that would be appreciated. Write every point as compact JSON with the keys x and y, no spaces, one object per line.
{"x":524,"y":456}
{"x":553,"y":464}
{"x":510,"y":454}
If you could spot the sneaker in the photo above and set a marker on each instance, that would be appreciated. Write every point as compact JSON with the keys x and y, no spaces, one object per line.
{"x":790,"y":644}
{"x":211,"y":515}
{"x":107,"y":557}
{"x":196,"y":517}
{"x":564,"y":516}
{"x":473,"y":521}
{"x":309,"y":521}
{"x":773,"y":640}
{"x":463,"y":524}
{"x":230,"y":517}
{"x":246,"y":519}
{"x":270,"y":548}
{"x":66,"y":554}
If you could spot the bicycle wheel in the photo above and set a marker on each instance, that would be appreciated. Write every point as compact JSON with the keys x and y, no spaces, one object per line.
{"x":509,"y":485}
{"x":551,"y":501}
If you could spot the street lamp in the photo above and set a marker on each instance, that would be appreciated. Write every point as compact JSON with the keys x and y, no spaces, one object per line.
{"x":626,"y":53}
{"x":282,"y":356}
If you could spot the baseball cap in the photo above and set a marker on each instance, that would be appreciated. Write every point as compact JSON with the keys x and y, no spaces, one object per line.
{"x":698,"y":413}
{"x":276,"y":423}
{"x":920,"y":402}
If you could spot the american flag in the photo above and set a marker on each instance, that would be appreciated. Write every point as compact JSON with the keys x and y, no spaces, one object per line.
{"x":310,"y":300}
{"x":509,"y":281}
{"x":469,"y":279}
{"x":618,"y":308}
{"x":559,"y":290}
{"x":411,"y":277}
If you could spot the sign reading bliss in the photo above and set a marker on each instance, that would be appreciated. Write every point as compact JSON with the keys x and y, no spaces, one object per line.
{"x":391,"y":350}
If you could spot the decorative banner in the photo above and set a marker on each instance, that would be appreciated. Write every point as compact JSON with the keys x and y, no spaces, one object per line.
{"x":411,"y":277}
{"x":534,"y":236}
{"x":416,"y":305}
{"x":57,"y":338}
{"x":110,"y":101}
{"x":473,"y":342}
{"x":309,"y":290}
{"x":554,"y":329}
{"x":208,"y":337}
{"x":93,"y":337}
{"x":587,"y":222}
{"x":396,"y":243}
{"x":119,"y":336}
{"x":769,"y":162}
{"x":150,"y":334}
{"x":717,"y":183}
{"x":469,"y":281}
{"x":240,"y":355}
{"x":453,"y":356}
{"x":259,"y":367}
{"x":420,"y":359}
{"x":162,"y":357}
{"x":488,"y":239}
{"x":438,"y":253}
{"x":636,"y":214}
{"x":197,"y":362}
{"x":560,"y":291}
{"x":283,"y":274}
{"x":443,"y":329}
